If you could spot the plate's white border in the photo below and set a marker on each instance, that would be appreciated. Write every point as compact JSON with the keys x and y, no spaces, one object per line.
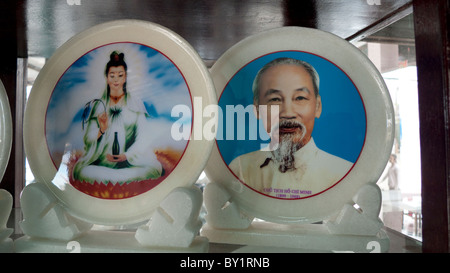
{"x":379,"y":116}
{"x":5,"y":130}
{"x":138,"y":208}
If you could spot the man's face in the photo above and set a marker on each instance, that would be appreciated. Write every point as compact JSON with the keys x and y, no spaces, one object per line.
{"x":291,"y":88}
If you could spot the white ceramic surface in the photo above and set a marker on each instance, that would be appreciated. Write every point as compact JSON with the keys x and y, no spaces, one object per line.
{"x":5,"y":130}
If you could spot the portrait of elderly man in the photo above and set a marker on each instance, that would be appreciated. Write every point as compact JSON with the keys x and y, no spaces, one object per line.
{"x":295,"y":164}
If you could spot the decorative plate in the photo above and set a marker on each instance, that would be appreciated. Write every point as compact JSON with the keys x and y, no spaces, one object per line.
{"x":305,"y":120}
{"x":5,"y":130}
{"x":109,"y":120}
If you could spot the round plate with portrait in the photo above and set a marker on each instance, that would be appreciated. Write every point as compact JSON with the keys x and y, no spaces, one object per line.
{"x":305,"y":120}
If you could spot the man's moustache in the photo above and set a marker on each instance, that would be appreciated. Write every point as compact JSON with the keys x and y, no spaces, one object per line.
{"x":285,"y":130}
{"x":288,"y":126}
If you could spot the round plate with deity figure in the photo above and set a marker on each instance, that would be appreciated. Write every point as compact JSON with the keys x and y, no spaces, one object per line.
{"x":109,"y":120}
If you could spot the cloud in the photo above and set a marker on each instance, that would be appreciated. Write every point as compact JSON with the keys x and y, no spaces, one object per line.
{"x":151,"y":76}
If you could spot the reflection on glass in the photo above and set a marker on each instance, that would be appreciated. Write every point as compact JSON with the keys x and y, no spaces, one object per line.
{"x":35,"y":65}
{"x":401,"y":181}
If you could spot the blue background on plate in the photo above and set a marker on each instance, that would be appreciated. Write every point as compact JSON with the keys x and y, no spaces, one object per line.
{"x":339,"y":131}
{"x":151,"y":77}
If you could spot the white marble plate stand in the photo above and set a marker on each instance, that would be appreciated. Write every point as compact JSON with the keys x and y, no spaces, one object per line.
{"x":356,"y":228}
{"x":6,"y":201}
{"x":48,"y":227}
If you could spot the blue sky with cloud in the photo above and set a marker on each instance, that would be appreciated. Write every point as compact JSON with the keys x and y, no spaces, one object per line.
{"x":151,"y":76}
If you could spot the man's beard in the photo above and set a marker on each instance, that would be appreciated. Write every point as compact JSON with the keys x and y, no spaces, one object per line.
{"x":288,"y":144}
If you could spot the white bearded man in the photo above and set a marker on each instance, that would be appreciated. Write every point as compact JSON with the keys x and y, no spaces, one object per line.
{"x":294,"y":164}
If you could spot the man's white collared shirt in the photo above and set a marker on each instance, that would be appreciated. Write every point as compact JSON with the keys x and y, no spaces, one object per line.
{"x":315,"y":171}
